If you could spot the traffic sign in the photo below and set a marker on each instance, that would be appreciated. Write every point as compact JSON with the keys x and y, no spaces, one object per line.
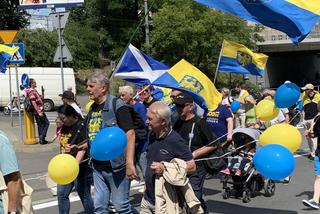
{"x":25,"y":80}
{"x":67,"y":57}
{"x":57,"y":24}
{"x":7,"y":36}
{"x":18,"y":57}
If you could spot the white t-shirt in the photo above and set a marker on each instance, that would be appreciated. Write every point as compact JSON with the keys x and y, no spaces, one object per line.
{"x":280,"y":118}
{"x":77,"y":108}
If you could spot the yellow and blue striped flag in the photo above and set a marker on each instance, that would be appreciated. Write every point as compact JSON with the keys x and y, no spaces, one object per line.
{"x":237,"y":58}
{"x":296,"y":18}
{"x":191,"y":78}
{"x":5,"y":56}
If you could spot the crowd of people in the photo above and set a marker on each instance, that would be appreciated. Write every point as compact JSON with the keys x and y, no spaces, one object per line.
{"x":165,"y":142}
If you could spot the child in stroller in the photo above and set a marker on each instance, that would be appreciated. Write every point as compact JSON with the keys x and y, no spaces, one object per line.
{"x":240,"y":171}
{"x":242,"y":160}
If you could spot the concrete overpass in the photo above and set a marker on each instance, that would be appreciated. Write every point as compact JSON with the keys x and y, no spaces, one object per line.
{"x":297,"y":63}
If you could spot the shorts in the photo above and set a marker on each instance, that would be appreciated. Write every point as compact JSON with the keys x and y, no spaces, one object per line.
{"x":317,"y":165}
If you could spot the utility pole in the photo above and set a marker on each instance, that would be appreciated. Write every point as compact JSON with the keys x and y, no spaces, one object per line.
{"x":146,"y":15}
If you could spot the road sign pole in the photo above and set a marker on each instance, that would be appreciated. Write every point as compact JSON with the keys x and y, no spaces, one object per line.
{"x":18,"y":97}
{"x":61,"y":52}
{"x":10,"y":97}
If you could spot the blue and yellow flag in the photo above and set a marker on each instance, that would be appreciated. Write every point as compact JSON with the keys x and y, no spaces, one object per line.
{"x":7,"y":49}
{"x":191,"y":78}
{"x":5,"y":56}
{"x":237,"y":58}
{"x":296,"y":18}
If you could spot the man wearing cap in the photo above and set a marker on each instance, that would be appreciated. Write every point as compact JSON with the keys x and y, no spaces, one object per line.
{"x":310,"y":99}
{"x":69,"y":99}
{"x":198,"y":135}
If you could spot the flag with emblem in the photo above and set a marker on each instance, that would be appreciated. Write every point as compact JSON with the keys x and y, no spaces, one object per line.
{"x":296,"y":18}
{"x":191,"y":78}
{"x":237,"y":58}
{"x":5,"y":55}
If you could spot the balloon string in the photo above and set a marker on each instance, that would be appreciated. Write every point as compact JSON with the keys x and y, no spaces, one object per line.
{"x":228,"y":153}
{"x":294,"y":116}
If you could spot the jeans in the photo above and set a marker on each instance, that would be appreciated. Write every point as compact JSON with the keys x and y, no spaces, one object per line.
{"x":83,"y":187}
{"x":109,"y":186}
{"x":43,"y":125}
{"x":197,"y":181}
{"x":141,"y":164}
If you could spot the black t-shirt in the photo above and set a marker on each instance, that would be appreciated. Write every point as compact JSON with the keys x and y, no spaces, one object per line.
{"x":310,"y":109}
{"x":202,"y":134}
{"x":147,"y":105}
{"x":76,"y":135}
{"x":95,"y":123}
{"x":164,"y":149}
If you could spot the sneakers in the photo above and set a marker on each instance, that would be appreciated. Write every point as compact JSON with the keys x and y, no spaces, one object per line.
{"x":311,"y":203}
{"x":226,"y":171}
{"x":238,"y":172}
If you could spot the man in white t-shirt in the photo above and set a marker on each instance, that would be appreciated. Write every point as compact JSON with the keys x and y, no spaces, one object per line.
{"x":69,"y":99}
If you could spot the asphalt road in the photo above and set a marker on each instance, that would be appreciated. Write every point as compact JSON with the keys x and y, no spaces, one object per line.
{"x":287,"y":198}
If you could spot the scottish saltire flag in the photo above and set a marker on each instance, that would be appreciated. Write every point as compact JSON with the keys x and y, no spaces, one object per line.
{"x":139,"y":68}
{"x":5,"y":55}
{"x":296,"y":18}
{"x":192,"y":79}
{"x":237,"y":58}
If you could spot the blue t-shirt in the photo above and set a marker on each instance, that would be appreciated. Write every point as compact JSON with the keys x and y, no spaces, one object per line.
{"x":171,"y":146}
{"x":138,"y":107}
{"x":217,"y":121}
{"x":8,"y":160}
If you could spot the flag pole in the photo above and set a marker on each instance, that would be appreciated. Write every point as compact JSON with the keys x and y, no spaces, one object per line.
{"x":140,"y":92}
{"x":217,"y":68}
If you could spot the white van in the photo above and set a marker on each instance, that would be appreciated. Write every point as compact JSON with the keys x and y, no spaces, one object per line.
{"x":49,"y":78}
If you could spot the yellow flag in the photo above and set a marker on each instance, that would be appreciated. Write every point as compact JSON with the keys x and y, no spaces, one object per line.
{"x":191,"y":78}
{"x":7,"y":49}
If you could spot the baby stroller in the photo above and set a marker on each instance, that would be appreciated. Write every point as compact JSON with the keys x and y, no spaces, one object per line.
{"x":247,"y":182}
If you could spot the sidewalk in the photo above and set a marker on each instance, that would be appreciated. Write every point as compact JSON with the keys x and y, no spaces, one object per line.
{"x":14,"y":135}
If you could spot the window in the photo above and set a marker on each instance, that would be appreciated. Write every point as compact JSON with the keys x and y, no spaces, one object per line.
{"x":279,"y":37}
{"x":273,"y":37}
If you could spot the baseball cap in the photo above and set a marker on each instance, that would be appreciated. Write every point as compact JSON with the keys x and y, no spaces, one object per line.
{"x":67,"y":95}
{"x":308,"y":86}
{"x":182,"y":99}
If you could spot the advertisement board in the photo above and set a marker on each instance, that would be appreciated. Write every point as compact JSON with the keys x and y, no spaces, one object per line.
{"x":35,"y":4}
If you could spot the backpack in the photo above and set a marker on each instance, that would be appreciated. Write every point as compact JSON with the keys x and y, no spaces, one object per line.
{"x":28,"y":106}
{"x":214,"y":165}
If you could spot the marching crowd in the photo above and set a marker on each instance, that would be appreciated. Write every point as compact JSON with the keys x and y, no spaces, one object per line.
{"x":167,"y":146}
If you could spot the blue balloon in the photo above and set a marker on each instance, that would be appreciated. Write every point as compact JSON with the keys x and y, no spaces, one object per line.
{"x":108,"y":144}
{"x":287,"y":95}
{"x":274,"y":161}
{"x":235,"y":105}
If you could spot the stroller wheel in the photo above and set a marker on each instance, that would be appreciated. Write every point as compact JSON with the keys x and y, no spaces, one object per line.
{"x":226,"y":193}
{"x":269,"y":188}
{"x":246,"y":196}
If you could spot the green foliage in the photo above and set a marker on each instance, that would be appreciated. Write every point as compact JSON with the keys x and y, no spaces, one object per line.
{"x":11,"y":18}
{"x":186,"y":29}
{"x":83,"y":43}
{"x":40,"y":46}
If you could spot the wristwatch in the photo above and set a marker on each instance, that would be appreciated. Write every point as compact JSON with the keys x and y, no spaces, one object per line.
{"x":12,"y":212}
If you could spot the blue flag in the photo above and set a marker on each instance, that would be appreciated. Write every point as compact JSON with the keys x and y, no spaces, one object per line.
{"x":139,"y":68}
{"x":4,"y":61}
{"x":296,"y":18}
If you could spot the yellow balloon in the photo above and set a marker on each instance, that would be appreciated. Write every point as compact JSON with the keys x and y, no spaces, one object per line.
{"x":87,"y":108}
{"x":63,"y":169}
{"x":282,"y":134}
{"x":266,"y":110}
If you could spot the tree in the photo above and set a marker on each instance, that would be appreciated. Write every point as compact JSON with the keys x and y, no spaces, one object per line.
{"x":186,"y":29}
{"x":40,"y":47}
{"x":11,"y":18}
